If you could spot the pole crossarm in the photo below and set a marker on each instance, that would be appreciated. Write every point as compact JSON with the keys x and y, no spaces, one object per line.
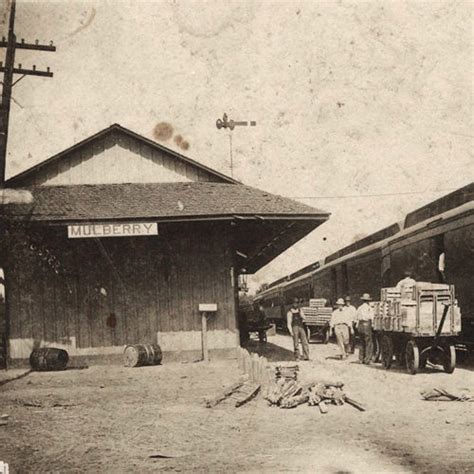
{"x":27,"y":72}
{"x":32,"y":46}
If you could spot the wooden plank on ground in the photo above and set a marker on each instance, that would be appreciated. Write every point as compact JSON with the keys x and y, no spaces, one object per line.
{"x":227,"y":392}
{"x":248,"y":392}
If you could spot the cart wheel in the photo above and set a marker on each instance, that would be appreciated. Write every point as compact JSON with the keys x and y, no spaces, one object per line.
{"x":386,"y":351}
{"x":412,"y":355}
{"x":308,"y":334}
{"x":326,"y":336}
{"x":449,"y":360}
{"x":377,"y":349}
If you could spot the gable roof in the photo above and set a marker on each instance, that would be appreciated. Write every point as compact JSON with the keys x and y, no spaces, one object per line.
{"x":165,"y":201}
{"x":20,"y":178}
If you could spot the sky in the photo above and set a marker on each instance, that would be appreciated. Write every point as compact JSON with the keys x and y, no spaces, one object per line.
{"x":363,"y":109}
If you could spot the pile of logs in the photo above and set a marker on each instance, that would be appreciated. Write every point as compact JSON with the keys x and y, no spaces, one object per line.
{"x":290,"y":393}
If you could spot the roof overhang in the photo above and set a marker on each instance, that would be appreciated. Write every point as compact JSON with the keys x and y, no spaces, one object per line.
{"x":258,"y":242}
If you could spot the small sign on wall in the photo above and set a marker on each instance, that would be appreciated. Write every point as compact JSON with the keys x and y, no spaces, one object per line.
{"x":115,"y":229}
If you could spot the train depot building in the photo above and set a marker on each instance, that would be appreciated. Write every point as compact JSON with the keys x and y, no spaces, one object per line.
{"x":124,"y":240}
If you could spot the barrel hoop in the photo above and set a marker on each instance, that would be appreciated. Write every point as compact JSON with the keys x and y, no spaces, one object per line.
{"x":152,"y":348}
{"x":147,"y":350}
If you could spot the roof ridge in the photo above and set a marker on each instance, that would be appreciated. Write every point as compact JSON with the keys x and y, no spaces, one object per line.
{"x":13,"y":180}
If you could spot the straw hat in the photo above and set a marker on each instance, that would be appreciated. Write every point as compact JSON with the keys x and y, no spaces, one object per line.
{"x":366,"y":297}
{"x":340,"y":301}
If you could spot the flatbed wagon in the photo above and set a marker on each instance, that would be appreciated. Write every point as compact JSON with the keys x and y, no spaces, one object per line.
{"x":418,"y":326}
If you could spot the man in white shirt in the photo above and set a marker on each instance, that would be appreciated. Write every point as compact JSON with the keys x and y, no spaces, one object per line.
{"x":341,"y":322}
{"x":442,"y":267}
{"x":365,"y":316}
{"x":405,"y":286}
{"x":295,"y":324}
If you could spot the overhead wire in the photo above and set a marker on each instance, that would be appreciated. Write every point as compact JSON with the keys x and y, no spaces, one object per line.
{"x":350,"y":196}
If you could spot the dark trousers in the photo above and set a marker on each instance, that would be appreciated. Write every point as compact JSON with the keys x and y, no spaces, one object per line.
{"x":366,"y":347}
{"x":353,"y":338}
{"x":299,"y":334}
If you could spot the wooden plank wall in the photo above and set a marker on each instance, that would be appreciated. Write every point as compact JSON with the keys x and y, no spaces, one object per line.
{"x":117,"y":158}
{"x":122,"y":290}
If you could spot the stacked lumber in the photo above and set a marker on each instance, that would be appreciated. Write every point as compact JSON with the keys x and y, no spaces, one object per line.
{"x":287,"y":372}
{"x":290,"y":394}
{"x":316,"y":316}
{"x":317,"y":303}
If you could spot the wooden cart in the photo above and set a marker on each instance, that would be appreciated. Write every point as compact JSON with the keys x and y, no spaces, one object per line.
{"x":259,"y":329}
{"x":418,"y":327}
{"x":316,"y":319}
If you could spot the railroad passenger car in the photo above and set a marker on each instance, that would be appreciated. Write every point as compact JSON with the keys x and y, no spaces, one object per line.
{"x":434,"y":242}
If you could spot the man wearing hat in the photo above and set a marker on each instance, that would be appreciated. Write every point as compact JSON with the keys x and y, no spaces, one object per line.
{"x":341,"y":322}
{"x":352,"y":319}
{"x":365,"y":316}
{"x":296,"y":328}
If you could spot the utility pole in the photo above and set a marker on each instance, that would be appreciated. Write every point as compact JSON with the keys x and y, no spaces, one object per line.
{"x":9,"y":70}
{"x":231,"y":124}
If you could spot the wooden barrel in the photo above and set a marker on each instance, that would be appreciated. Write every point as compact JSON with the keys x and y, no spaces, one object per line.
{"x":49,"y":358}
{"x":136,"y":355}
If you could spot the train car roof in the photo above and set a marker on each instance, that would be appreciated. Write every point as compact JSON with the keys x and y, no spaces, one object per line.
{"x":458,"y":202}
{"x":466,"y":208}
{"x":441,"y":205}
{"x":366,"y":241}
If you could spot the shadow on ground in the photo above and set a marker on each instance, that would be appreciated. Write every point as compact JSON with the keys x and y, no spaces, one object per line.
{"x":465,"y":360}
{"x":20,"y":376}
{"x":272,"y":352}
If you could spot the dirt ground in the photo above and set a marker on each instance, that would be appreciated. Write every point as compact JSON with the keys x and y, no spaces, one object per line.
{"x":112,"y":418}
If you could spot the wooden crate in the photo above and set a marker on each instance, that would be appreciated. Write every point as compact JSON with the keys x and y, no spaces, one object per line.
{"x":316,"y":316}
{"x":389,"y":294}
{"x":317,"y":303}
{"x":420,"y":315}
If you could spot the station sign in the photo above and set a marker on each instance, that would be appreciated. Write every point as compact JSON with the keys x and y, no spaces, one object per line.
{"x":112,"y":229}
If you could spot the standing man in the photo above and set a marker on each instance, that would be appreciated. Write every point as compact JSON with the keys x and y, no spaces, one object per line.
{"x":352,"y":317}
{"x":365,"y":316}
{"x":341,"y":322}
{"x":405,"y":286}
{"x":261,"y":321}
{"x":295,"y":324}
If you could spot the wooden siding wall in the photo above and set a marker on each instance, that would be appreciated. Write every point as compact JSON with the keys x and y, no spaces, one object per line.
{"x":152,"y":284}
{"x":117,"y":158}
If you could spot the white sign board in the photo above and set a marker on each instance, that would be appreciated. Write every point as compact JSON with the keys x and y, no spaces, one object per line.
{"x":115,"y":229}
{"x":207,"y":307}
